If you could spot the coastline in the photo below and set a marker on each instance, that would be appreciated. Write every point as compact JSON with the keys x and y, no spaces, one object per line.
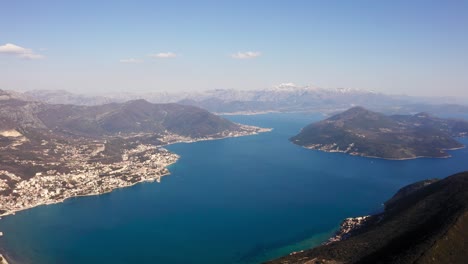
{"x":251,"y":113}
{"x":259,"y":130}
{"x":393,"y":159}
{"x":84,"y":195}
{"x":4,"y":259}
{"x":158,"y":178}
{"x":248,"y":113}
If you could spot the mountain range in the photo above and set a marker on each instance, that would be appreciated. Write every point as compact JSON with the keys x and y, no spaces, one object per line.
{"x":282,"y":98}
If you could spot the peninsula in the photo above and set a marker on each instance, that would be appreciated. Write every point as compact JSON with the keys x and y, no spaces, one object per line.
{"x":425,"y":222}
{"x":361,"y":132}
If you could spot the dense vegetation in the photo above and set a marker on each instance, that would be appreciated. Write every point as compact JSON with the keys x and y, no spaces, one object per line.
{"x":137,"y":116}
{"x":424,"y":223}
{"x":358,"y":131}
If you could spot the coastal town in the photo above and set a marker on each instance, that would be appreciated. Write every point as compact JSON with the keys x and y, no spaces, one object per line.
{"x":80,"y":168}
{"x":142,"y":163}
{"x":49,"y":153}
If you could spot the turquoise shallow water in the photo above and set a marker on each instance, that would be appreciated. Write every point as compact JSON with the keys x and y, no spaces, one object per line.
{"x":237,"y":200}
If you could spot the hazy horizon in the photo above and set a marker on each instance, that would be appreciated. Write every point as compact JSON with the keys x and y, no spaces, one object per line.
{"x":103,"y":93}
{"x":417,"y":48}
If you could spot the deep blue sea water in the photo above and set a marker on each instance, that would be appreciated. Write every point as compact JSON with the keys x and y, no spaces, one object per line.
{"x":236,"y":200}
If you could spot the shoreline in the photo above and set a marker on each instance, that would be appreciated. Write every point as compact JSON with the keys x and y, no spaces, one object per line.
{"x":251,"y":113}
{"x":84,"y":195}
{"x":248,"y":113}
{"x":8,"y":260}
{"x":260,"y":130}
{"x":392,"y":159}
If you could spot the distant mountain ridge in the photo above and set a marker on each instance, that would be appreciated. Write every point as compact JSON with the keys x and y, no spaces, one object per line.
{"x":286,"y":97}
{"x":426,"y":222}
{"x":359,"y":131}
{"x":65,"y":97}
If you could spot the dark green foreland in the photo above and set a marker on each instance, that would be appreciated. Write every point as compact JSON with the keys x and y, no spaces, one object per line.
{"x":423,"y":223}
{"x":362,"y":132}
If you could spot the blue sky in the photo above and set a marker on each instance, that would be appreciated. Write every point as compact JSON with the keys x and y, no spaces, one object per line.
{"x":399,"y":47}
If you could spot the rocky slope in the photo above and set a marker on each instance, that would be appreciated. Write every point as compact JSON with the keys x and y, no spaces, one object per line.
{"x":425,"y":223}
{"x":138,"y":116}
{"x":359,"y":131}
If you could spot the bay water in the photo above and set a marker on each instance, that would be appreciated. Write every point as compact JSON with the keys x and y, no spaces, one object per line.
{"x":237,"y":200}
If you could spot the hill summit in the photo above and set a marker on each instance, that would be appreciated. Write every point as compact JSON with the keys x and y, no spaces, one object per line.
{"x":359,"y":131}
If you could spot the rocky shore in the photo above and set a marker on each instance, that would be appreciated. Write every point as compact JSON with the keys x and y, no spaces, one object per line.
{"x":347,"y":228}
{"x":333,"y":148}
{"x":424,"y":222}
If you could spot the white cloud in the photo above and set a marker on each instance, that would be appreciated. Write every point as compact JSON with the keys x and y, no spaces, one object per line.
{"x":246,"y":55}
{"x":31,"y":56}
{"x":163,"y":55}
{"x":131,"y":60}
{"x":21,"y":52}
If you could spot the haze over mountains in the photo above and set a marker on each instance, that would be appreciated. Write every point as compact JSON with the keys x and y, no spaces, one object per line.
{"x":283,"y":98}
